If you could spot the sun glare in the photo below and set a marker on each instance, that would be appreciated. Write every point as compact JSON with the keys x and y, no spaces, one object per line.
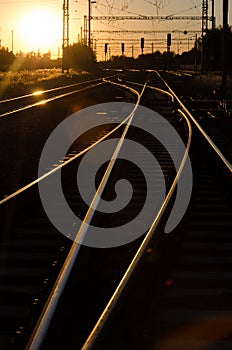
{"x":40,"y":30}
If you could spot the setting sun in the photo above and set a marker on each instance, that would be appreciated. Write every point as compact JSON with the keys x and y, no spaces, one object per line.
{"x":40,"y":29}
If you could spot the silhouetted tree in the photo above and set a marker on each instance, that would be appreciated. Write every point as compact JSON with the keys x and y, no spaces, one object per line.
{"x":157,"y":60}
{"x":192,"y":57}
{"x":213,"y":49}
{"x":120,"y":62}
{"x":6,"y":59}
{"x":81,"y":57}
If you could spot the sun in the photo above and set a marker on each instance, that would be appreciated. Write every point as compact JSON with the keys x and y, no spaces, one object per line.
{"x":40,"y":29}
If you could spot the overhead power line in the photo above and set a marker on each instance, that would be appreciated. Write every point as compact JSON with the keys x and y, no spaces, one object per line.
{"x":145,"y":31}
{"x":147,"y":40}
{"x":65,"y":43}
{"x":148,"y":18}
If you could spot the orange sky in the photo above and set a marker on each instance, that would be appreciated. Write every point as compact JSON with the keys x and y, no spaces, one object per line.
{"x":37,"y":25}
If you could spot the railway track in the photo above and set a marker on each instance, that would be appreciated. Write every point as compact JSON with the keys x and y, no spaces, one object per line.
{"x":65,"y":285}
{"x":106,"y":280}
{"x":22,"y":245}
{"x":183,"y":298}
{"x":24,"y":129}
{"x":30,"y":261}
{"x":10,"y":106}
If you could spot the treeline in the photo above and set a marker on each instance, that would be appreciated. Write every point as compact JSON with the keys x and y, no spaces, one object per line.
{"x":79,"y":57}
{"x":6,"y":59}
{"x":157,"y":60}
{"x":213,"y":49}
{"x":30,"y":61}
{"x":211,"y":60}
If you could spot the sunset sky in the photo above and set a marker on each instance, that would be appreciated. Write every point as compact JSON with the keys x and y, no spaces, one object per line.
{"x":37,"y":25}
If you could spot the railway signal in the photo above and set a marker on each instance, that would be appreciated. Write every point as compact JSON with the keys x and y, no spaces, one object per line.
{"x":169,"y":41}
{"x":142,"y":44}
{"x":123,"y":49}
{"x":106,"y":50}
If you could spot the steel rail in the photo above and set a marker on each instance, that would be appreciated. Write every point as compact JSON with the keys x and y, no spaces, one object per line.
{"x":112,"y":302}
{"x":50,"y":307}
{"x":206,"y":136}
{"x":51,"y":99}
{"x":33,"y":183}
{"x":40,"y":92}
{"x":180,"y":73}
{"x":164,"y":92}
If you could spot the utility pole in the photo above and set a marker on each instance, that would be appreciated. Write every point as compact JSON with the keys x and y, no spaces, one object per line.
{"x":12,"y":41}
{"x":85,"y":30}
{"x":212,"y":53}
{"x":65,"y":43}
{"x":213,"y":17}
{"x":90,"y":2}
{"x":89,"y":43}
{"x":81,"y":35}
{"x":195,"y":59}
{"x":224,"y":43}
{"x":205,"y":7}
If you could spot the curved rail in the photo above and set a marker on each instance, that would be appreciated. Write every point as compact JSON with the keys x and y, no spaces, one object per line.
{"x":43,"y":323}
{"x":50,"y":307}
{"x":37,"y":337}
{"x":40,"y":92}
{"x":105,"y":314}
{"x":51,"y":99}
{"x":7,"y":198}
{"x":206,"y":136}
{"x":164,"y":92}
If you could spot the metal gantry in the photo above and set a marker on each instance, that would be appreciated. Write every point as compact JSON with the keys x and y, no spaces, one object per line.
{"x":205,"y":16}
{"x":65,"y":43}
